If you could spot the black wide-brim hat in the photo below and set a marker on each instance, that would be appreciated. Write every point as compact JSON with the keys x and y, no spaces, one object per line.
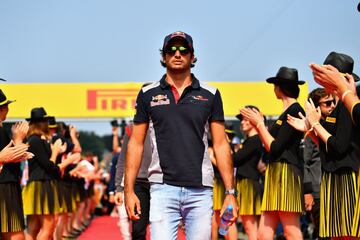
{"x":3,"y":99}
{"x":38,"y":115}
{"x":342,"y":62}
{"x":52,"y":122}
{"x":286,"y":75}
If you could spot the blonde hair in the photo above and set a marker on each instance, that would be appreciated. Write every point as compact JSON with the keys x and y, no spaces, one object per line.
{"x":38,"y":128}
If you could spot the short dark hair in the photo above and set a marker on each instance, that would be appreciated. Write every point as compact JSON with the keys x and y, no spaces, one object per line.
{"x":317,"y":94}
{"x":290,"y":89}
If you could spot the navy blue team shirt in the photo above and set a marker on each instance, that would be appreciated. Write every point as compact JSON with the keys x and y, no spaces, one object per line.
{"x":179,"y":127}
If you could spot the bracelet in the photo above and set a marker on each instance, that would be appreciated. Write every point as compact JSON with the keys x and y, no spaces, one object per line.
{"x":344,"y":95}
{"x":260,"y":123}
{"x":313,"y":125}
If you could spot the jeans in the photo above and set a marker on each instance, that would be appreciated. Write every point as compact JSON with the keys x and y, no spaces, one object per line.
{"x":169,"y":204}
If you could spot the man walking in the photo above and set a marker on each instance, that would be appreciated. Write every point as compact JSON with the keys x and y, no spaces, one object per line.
{"x":179,"y":111}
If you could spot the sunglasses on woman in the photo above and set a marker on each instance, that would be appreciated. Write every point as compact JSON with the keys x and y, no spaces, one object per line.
{"x":329,"y":102}
{"x":171,"y":50}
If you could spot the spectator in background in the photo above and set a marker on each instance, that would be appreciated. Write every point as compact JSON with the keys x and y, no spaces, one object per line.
{"x":312,"y":164}
{"x":142,"y":186}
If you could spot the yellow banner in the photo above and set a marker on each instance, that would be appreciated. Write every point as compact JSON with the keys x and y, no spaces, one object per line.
{"x":109,"y":100}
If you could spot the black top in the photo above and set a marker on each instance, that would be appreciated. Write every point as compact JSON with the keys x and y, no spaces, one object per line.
{"x":11,"y":172}
{"x":178,"y":129}
{"x":341,"y":151}
{"x":285,"y":147}
{"x":40,"y":166}
{"x":356,"y":113}
{"x":247,"y":158}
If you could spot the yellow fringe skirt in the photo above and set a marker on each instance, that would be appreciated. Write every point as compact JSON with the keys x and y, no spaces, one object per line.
{"x":41,"y":198}
{"x":11,"y":208}
{"x":282,"y":189}
{"x":338,"y":194}
{"x":356,"y":221}
{"x":249,"y":196}
{"x":219,"y":194}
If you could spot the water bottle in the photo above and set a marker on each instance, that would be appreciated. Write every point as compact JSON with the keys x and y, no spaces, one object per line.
{"x":225,"y":219}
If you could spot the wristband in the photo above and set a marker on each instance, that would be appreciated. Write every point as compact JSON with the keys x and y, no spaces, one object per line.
{"x":260,"y":123}
{"x":344,"y":95}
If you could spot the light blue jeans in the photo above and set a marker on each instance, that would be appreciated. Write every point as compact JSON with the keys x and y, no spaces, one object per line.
{"x":169,"y":204}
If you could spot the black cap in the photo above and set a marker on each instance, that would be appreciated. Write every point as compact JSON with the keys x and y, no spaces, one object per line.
{"x":181,"y":35}
{"x":342,"y":62}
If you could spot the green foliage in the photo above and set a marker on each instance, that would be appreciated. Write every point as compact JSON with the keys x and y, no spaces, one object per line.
{"x":90,"y":142}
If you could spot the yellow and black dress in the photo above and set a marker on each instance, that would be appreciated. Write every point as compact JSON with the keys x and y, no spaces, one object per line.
{"x":64,"y":184}
{"x":248,"y":187}
{"x":11,"y":208}
{"x":283,"y":189}
{"x":340,"y":163}
{"x":40,"y":194}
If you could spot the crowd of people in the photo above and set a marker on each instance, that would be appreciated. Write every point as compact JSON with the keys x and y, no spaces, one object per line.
{"x":178,"y":166}
{"x":52,"y":194}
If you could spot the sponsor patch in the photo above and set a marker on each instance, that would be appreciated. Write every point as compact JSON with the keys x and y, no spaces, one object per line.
{"x":200,"y":98}
{"x":330,"y":120}
{"x":159,"y":100}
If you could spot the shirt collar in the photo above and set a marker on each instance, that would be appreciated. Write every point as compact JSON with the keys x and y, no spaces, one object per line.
{"x":195,"y":84}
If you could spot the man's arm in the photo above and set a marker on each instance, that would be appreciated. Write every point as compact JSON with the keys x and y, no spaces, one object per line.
{"x":224,"y":164}
{"x":132,"y":165}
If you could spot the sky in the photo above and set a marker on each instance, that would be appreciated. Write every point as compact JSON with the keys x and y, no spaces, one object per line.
{"x":119,"y":41}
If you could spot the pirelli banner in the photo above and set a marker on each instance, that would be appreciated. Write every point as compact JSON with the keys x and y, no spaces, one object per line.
{"x":109,"y":100}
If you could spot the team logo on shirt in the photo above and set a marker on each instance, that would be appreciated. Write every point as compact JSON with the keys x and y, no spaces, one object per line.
{"x":200,"y":98}
{"x":159,"y":100}
{"x":279,"y":122}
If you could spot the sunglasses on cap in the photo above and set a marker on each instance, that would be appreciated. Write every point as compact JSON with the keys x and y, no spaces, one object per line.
{"x":329,"y":102}
{"x":171,"y":50}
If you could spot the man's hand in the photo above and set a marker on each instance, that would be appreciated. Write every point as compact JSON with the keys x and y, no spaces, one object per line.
{"x":132,"y":204}
{"x":230,"y":200}
{"x":309,"y":201}
{"x":119,"y":198}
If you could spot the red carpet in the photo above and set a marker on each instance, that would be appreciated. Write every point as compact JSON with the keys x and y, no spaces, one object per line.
{"x":105,"y":228}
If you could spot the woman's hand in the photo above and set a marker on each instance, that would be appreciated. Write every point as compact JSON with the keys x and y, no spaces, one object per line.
{"x":254,"y":116}
{"x":300,"y":124}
